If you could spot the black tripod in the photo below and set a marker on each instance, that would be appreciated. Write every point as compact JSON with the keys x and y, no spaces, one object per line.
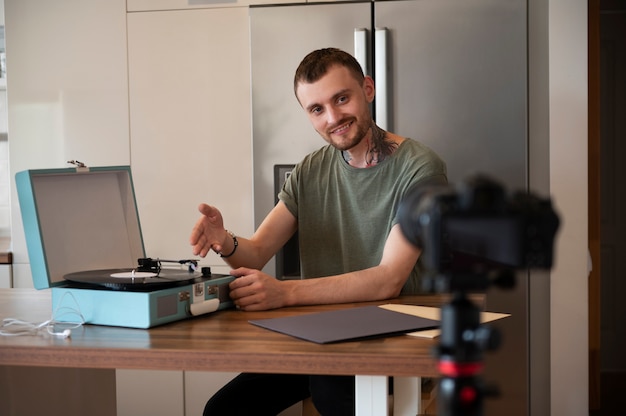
{"x":460,"y":354}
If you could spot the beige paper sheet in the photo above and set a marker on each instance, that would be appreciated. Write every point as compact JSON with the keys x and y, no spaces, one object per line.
{"x":433,"y":313}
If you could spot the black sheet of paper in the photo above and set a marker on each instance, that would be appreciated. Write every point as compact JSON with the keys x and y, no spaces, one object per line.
{"x":347,"y":324}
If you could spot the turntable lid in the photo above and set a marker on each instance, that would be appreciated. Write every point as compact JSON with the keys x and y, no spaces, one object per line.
{"x":78,"y":219}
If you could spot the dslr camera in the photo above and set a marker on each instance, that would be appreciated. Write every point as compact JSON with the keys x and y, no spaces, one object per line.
{"x":476,"y":232}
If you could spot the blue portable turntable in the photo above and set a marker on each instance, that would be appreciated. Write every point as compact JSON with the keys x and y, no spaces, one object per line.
{"x":84,"y":241}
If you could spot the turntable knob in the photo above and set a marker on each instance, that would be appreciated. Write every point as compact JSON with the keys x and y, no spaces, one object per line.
{"x":206,"y":272}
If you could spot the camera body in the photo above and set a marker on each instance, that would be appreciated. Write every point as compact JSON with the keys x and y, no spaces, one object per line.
{"x":476,"y":231}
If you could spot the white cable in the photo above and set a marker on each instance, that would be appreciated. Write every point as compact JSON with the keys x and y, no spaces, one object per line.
{"x":12,"y":327}
{"x":19,"y":327}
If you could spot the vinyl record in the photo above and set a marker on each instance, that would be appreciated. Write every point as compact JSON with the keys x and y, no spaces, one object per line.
{"x":125,"y":279}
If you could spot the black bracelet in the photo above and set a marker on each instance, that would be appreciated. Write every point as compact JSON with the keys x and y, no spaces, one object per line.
{"x":235,"y":242}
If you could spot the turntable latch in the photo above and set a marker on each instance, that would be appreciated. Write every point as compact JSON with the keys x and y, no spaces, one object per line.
{"x":80,"y":166}
{"x":213,"y":290}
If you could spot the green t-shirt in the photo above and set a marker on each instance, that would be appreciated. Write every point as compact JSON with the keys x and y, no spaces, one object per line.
{"x":345,"y":214}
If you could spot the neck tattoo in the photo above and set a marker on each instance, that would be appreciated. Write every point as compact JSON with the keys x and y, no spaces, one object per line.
{"x":371,"y":157}
{"x":378,"y":148}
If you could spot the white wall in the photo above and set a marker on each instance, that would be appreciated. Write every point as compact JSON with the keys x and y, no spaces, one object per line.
{"x":568,"y":180}
{"x":5,"y":201}
{"x":5,"y":204}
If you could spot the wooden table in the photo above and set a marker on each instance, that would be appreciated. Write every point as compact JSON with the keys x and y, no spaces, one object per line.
{"x":223,"y":341}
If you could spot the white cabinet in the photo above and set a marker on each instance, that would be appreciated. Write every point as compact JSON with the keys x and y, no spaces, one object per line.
{"x":190,"y":123}
{"x":6,"y":276}
{"x":177,"y":109}
{"x":149,"y":392}
{"x":152,"y":5}
{"x":67,"y":92}
{"x":190,"y":142}
{"x":187,"y":392}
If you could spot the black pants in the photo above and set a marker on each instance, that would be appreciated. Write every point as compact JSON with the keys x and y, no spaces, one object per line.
{"x":269,"y":394}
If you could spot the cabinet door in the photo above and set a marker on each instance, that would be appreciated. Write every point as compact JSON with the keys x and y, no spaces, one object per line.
{"x":190,"y":134}
{"x":67,"y":93}
{"x":457,"y":81}
{"x":135,"y":392}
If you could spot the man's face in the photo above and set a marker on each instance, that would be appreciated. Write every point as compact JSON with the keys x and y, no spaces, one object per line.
{"x":337,"y":106}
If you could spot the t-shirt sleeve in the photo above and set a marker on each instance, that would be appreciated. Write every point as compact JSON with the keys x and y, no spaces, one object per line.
{"x":288,"y":194}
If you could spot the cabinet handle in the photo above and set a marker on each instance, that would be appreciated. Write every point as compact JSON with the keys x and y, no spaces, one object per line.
{"x":360,"y":48}
{"x":382,"y":78}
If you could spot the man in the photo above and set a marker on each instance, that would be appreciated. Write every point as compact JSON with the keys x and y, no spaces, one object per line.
{"x":342,"y":199}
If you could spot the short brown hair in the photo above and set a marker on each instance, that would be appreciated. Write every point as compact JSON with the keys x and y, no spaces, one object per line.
{"x":317,"y":63}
